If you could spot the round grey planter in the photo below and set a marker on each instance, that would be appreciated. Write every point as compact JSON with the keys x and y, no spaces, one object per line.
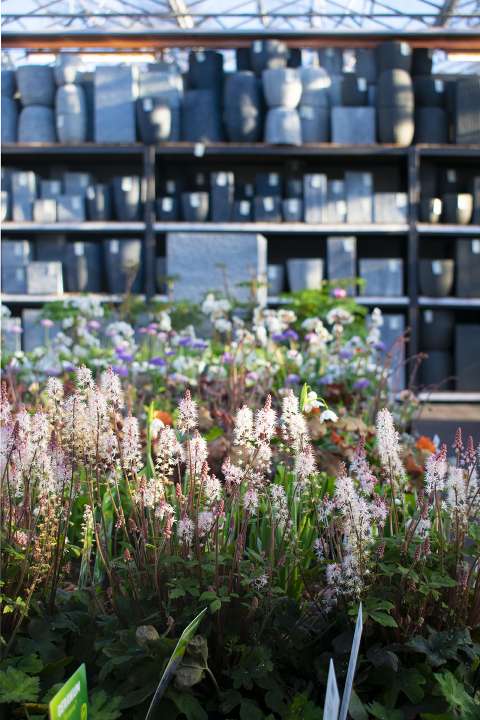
{"x":395,"y":125}
{"x":457,"y":208}
{"x":83,"y":267}
{"x":394,"y":54}
{"x":37,"y":124}
{"x":241,"y":90}
{"x":422,"y":61}
{"x":127,"y":197}
{"x":436,"y":277}
{"x":123,"y":264}
{"x":71,"y":114}
{"x":437,"y":329}
{"x":201,"y":117}
{"x":99,"y":202}
{"x":68,"y":69}
{"x":282,"y":127}
{"x":395,"y":89}
{"x":435,"y":370}
{"x":36,"y":85}
{"x":292,"y":210}
{"x":275,"y":279}
{"x":9,"y":85}
{"x":195,"y":206}
{"x":315,"y":87}
{"x":268,"y":54}
{"x":205,"y":69}
{"x":282,"y":87}
{"x":243,"y":126}
{"x":154,"y":120}
{"x":9,"y":120}
{"x":431,"y":125}
{"x":315,"y":122}
{"x":429,"y":91}
{"x":305,"y":274}
{"x":430,"y":210}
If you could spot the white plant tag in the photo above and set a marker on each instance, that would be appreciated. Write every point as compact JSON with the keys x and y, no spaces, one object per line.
{"x":222,"y":179}
{"x":352,"y":663}
{"x":257,"y":46}
{"x":405,"y":49}
{"x":439,"y":86}
{"x":126,"y":184}
{"x":115,"y":247}
{"x":394,"y":322}
{"x":452,"y":176}
{"x":194,"y":200}
{"x":199,"y":149}
{"x":170,"y":185}
{"x":392,"y":265}
{"x":148,"y":104}
{"x":437,"y":206}
{"x":362,"y":84}
{"x":167,"y":204}
{"x":79,"y":249}
{"x":273,"y":179}
{"x":307,"y":112}
{"x":428,"y":316}
{"x":476,"y":247}
{"x":244,"y":207}
{"x":342,"y":208}
{"x":316,"y":181}
{"x":436,"y":267}
{"x":332,"y":697}
{"x":90,"y":192}
{"x":200,"y":56}
{"x":268,"y":204}
{"x":348,"y":244}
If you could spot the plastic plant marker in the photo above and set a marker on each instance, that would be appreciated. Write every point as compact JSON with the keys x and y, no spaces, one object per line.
{"x":71,"y":701}
{"x":352,"y":663}
{"x":175,"y":660}
{"x":332,"y":697}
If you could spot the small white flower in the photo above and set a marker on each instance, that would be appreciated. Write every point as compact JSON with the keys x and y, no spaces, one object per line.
{"x":328,"y":415}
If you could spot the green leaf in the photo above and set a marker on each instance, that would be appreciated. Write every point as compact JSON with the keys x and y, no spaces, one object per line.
{"x":103,"y":707}
{"x":188,"y":705}
{"x":383,"y":713}
{"x":410,"y":682}
{"x":214,"y":433}
{"x":215,"y":606}
{"x":456,"y":696}
{"x":357,"y":708}
{"x":250,"y":711}
{"x":176,"y":593}
{"x":16,"y":686}
{"x":382,"y":618}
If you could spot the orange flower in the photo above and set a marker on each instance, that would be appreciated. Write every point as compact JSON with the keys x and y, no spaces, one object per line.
{"x":164,"y":416}
{"x":335,"y":437}
{"x":424,"y":443}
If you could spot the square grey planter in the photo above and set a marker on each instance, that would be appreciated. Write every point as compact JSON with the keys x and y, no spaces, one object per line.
{"x":467,"y":254}
{"x":50,"y":189}
{"x":76,"y":183}
{"x":49,"y":248}
{"x":45,"y":211}
{"x":315,"y":198}
{"x":124,"y":265}
{"x":383,"y":277}
{"x":436,"y":329}
{"x":16,"y":253}
{"x":391,"y":208}
{"x":267,"y":209}
{"x":70,"y":208}
{"x":336,"y":204}
{"x":342,"y":259}
{"x":44,"y":278}
{"x":359,"y":195}
{"x":292,"y":210}
{"x":467,"y":357}
{"x":353,"y":125}
{"x":14,"y":279}
{"x":276,"y":279}
{"x":305,"y":273}
{"x":115,"y":100}
{"x":84,"y":267}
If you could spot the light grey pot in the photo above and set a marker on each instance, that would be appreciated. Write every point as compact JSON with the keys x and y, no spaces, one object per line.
{"x":36,"y":85}
{"x":282,"y":87}
{"x":68,"y":68}
{"x":37,"y":124}
{"x":315,"y":87}
{"x":315,"y":122}
{"x":9,"y":120}
{"x":282,"y":127}
{"x":305,"y":273}
{"x":276,"y":279}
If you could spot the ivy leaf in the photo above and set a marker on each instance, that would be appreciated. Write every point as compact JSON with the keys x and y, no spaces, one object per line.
{"x":382,"y":618}
{"x":103,"y":707}
{"x":16,"y":686}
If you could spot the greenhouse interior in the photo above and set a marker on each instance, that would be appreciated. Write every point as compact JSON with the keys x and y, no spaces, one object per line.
{"x":240,"y":360}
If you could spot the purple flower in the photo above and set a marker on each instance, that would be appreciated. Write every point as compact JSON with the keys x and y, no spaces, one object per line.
{"x":15,"y":329}
{"x":252,"y":376}
{"x":361,"y":384}
{"x":227,"y":358}
{"x":345,"y":354}
{"x":292,"y":379}
{"x":69,"y":368}
{"x":185,"y":341}
{"x":380,"y":346}
{"x":170,"y":352}
{"x":278,"y":337}
{"x":94,"y":325}
{"x":200,"y":345}
{"x":290,"y":334}
{"x":157,"y":361}
{"x":143,"y":331}
{"x":326,"y":380}
{"x":120,"y":370}
{"x":53,"y":372}
{"x":126,"y":357}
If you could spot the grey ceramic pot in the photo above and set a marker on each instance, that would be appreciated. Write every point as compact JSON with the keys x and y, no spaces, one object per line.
{"x":436,"y":329}
{"x":315,"y":87}
{"x":276,"y":279}
{"x":394,"y":54}
{"x":127,"y":198}
{"x":396,"y":125}
{"x":9,"y":120}
{"x":37,"y":124}
{"x":36,"y":85}
{"x":315,"y":123}
{"x":457,"y":208}
{"x":98,"y":199}
{"x":436,"y":277}
{"x":395,"y":89}
{"x":282,"y":87}
{"x":430,"y":210}
{"x":283,"y":127}
{"x":195,"y":206}
{"x":431,"y":125}
{"x":304,"y":273}
{"x":71,"y":114}
{"x":9,"y":84}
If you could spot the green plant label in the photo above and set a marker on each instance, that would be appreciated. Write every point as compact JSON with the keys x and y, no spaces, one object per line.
{"x":175,"y":660}
{"x":352,"y":664}
{"x":71,"y":701}
{"x":332,"y":697}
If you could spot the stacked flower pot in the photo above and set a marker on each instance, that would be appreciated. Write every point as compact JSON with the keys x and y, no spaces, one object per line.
{"x":36,"y":88}
{"x":70,"y":101}
{"x":282,"y":88}
{"x":395,"y":95}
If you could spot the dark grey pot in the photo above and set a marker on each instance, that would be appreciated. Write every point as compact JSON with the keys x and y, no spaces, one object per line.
{"x":435,"y":370}
{"x":205,"y":70}
{"x":395,"y":125}
{"x":292,"y":210}
{"x":37,"y":124}
{"x":243,"y":125}
{"x":36,"y":85}
{"x":436,"y":277}
{"x":366,"y":64}
{"x":282,"y":127}
{"x":394,"y":54}
{"x":275,"y":279}
{"x":430,"y":210}
{"x":304,"y":274}
{"x":354,"y":90}
{"x":331,"y":59}
{"x":154,"y":120}
{"x":268,"y":54}
{"x":315,"y":124}
{"x":431,"y":125}
{"x":467,"y":354}
{"x":429,"y":91}
{"x":282,"y":87}
{"x":422,"y":61}
{"x":9,"y":120}
{"x":123,"y":263}
{"x":99,"y":202}
{"x":395,"y":89}
{"x":467,"y":258}
{"x":267,"y":209}
{"x":267,"y":184}
{"x":83,"y":267}
{"x":201,"y":117}
{"x":9,"y":84}
{"x":457,"y":208}
{"x":195,"y":206}
{"x":167,"y":209}
{"x":436,"y":329}
{"x":127,"y":198}
{"x":315,"y":87}
{"x":242,"y":211}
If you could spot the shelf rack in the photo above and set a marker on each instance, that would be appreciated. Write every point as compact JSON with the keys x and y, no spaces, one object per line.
{"x":149,"y":159}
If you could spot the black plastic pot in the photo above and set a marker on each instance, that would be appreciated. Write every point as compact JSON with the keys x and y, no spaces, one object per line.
{"x":99,"y":202}
{"x":127,"y":197}
{"x":83,"y":267}
{"x":195,"y":207}
{"x":435,"y":370}
{"x":154,"y":120}
{"x":395,"y":89}
{"x":123,"y":264}
{"x":430,"y":210}
{"x":457,"y":208}
{"x":366,"y":64}
{"x":268,"y":184}
{"x":436,"y":329}
{"x":429,"y":91}
{"x":354,"y":90}
{"x":395,"y":125}
{"x":436,"y":277}
{"x":467,"y":357}
{"x":266,"y":54}
{"x":467,"y":256}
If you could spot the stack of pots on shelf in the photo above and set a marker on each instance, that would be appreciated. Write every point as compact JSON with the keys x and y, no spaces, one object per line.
{"x":282,"y":90}
{"x":70,"y":100}
{"x":9,"y":107}
{"x":242,"y":111}
{"x":436,"y":332}
{"x":395,"y":96}
{"x":201,"y":116}
{"x":36,"y":88}
{"x":159,"y":104}
{"x":314,"y":107}
{"x":444,"y":199}
{"x":431,"y":119}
